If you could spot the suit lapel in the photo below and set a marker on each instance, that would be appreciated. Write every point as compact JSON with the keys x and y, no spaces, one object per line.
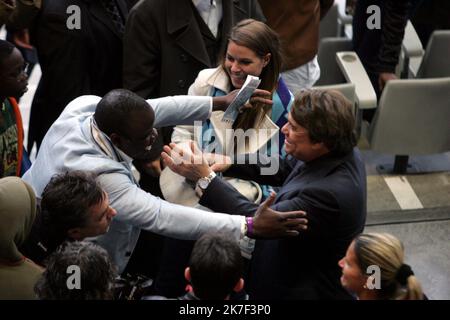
{"x":235,"y":13}
{"x":232,"y":13}
{"x":123,"y":9}
{"x":182,"y":23}
{"x":303,"y":174}
{"x":227,"y":22}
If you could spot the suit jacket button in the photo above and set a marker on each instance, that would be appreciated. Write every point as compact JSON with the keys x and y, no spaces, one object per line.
{"x":183,"y":57}
{"x":181,"y":83}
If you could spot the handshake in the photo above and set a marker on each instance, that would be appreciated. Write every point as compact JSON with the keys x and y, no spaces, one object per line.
{"x":189,"y":162}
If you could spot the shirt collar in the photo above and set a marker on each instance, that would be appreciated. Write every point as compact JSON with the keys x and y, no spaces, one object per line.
{"x":203,"y":5}
{"x":106,"y":145}
{"x":198,"y":2}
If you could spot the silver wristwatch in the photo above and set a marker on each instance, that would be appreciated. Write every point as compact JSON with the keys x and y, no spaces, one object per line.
{"x":203,"y":183}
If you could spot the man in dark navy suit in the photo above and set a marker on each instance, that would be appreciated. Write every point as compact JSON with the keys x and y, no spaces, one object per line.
{"x":323,"y":175}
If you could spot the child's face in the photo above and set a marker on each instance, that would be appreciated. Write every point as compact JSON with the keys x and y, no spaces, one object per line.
{"x":14,"y":81}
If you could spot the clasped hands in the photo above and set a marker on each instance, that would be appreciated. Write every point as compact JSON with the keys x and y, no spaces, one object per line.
{"x":188,"y":161}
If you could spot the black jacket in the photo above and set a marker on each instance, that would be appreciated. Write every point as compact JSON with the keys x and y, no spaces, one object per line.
{"x":73,"y":62}
{"x":379,"y":49}
{"x":332,"y":191}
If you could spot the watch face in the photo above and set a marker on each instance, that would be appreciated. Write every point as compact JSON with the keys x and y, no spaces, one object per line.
{"x":203,"y":183}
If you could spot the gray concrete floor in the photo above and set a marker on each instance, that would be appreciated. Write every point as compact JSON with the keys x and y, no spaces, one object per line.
{"x":427,"y":250}
{"x":424,"y":228}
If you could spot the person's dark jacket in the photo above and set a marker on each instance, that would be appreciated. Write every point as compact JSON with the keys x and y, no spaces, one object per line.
{"x":74,"y":62}
{"x":332,"y":192}
{"x":379,"y":49}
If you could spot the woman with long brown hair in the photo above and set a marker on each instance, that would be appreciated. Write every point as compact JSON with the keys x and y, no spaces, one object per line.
{"x":253,"y":49}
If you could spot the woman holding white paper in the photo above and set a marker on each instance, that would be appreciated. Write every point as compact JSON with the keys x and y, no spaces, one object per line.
{"x":253,"y":49}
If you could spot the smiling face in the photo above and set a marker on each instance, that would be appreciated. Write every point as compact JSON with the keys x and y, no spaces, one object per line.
{"x":13,"y":80}
{"x":352,"y":277}
{"x":241,"y":61}
{"x":298,"y":143}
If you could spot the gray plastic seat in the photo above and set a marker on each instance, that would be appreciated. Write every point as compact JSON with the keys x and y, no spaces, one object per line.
{"x":435,"y":62}
{"x":412,"y":118}
{"x":330,"y":73}
{"x":347,"y":89}
{"x":329,"y":24}
{"x":334,"y":22}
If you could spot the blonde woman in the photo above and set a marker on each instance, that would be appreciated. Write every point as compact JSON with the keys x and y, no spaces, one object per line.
{"x":373,"y":252}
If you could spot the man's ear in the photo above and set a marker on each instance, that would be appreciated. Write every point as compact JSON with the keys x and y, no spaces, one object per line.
{"x":75,"y":234}
{"x":239,"y":285}
{"x":187,"y":274}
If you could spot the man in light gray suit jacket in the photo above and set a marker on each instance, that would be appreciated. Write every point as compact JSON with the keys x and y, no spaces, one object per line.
{"x":104,"y":135}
